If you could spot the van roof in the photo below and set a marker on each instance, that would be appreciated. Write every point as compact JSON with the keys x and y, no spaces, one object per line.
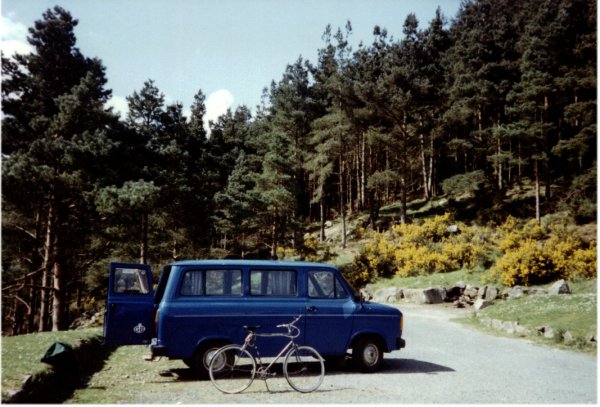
{"x":254,"y":263}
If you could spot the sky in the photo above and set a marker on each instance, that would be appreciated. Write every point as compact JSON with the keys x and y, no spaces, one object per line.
{"x":229,"y":49}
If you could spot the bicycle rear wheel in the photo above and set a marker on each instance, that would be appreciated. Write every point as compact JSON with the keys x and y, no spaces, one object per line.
{"x":304,"y":369}
{"x":232,"y":369}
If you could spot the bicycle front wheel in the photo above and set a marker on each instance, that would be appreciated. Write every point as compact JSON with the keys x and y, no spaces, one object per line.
{"x":232,"y":369}
{"x":304,"y":369}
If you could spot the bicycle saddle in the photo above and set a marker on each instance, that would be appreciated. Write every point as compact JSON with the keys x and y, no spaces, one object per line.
{"x":251,"y":328}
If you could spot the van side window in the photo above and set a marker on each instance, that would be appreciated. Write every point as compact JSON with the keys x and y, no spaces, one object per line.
{"x":211,"y":282}
{"x":130,"y":281}
{"x":273,"y":282}
{"x":324,"y":284}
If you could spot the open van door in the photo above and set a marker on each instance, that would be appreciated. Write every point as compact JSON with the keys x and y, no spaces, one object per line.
{"x":129,"y":318}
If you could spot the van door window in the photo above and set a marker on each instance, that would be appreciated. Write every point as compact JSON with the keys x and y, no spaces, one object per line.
{"x":211,"y":282}
{"x":324,"y":284}
{"x":130,"y":281}
{"x":273,"y":283}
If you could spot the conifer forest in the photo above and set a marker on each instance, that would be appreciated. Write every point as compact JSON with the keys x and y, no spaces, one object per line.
{"x":502,"y":94}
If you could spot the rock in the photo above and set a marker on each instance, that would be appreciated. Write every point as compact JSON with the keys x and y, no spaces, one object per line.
{"x":415,"y":295}
{"x":491,"y":293}
{"x":481,"y":292}
{"x":568,"y":337}
{"x":548,"y":332}
{"x":466,"y":299}
{"x":434,"y":295}
{"x":471,"y":291}
{"x":537,"y":291}
{"x":453,"y":229}
{"x":481,"y":304}
{"x":388,"y":294}
{"x":559,"y":287}
{"x":453,"y":293}
{"x":513,"y":292}
{"x":459,"y":304}
{"x":328,"y":224}
{"x":367,"y":292}
{"x":592,"y":339}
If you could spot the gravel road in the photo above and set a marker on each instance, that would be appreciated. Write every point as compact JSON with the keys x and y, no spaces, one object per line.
{"x":444,"y":362}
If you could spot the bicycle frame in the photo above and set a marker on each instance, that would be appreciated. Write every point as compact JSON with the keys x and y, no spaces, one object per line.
{"x":249,"y":342}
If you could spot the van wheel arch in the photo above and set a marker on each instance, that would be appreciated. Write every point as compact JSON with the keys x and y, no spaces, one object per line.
{"x":200,"y":360}
{"x":367,"y":352}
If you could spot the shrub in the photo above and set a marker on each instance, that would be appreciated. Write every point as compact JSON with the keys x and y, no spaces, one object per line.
{"x":414,"y":249}
{"x":532,"y":255}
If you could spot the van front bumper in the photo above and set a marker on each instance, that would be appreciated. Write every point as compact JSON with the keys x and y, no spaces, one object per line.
{"x":400,"y":343}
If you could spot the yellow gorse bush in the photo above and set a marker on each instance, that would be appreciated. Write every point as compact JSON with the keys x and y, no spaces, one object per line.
{"x":413,"y":249}
{"x":532,"y":255}
{"x":528,"y":253}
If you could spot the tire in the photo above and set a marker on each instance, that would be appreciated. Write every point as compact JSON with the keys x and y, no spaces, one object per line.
{"x":304,"y":369}
{"x":202,"y":357}
{"x":232,"y":369}
{"x":367,"y":355}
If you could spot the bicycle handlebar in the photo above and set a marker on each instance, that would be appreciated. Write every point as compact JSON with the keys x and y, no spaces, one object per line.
{"x":292,"y":330}
{"x":291,"y":323}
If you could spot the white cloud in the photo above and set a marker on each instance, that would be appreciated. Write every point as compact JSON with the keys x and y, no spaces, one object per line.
{"x":13,"y":37}
{"x":119,"y":105}
{"x":217,"y":104}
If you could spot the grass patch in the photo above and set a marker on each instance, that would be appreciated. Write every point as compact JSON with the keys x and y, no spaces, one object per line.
{"x":576,"y":313}
{"x":21,"y":354}
{"x":139,"y":380}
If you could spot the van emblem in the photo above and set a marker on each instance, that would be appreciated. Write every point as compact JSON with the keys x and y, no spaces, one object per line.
{"x":139,"y":328}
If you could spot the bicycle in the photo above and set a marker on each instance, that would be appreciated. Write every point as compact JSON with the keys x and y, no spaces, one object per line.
{"x":233,"y":368}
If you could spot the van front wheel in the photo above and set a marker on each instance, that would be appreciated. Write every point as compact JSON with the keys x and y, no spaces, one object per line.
{"x":367,"y":354}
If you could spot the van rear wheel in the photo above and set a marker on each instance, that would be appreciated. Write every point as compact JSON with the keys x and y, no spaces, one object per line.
{"x":200,"y":362}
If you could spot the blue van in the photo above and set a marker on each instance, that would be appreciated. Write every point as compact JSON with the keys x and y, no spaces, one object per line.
{"x":199,"y":306}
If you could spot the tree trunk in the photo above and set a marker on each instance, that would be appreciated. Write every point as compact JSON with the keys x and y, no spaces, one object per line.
{"x":58,"y":283}
{"x":537,"y":191}
{"x":58,"y":298}
{"x":342,"y":205}
{"x":144,"y":240}
{"x":47,"y":268}
{"x":322,"y":218}
{"x":274,"y":239}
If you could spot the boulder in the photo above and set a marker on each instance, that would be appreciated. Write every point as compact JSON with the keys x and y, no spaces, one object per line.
{"x":513,"y":292}
{"x":388,"y":294}
{"x":367,"y":292}
{"x":481,"y":304}
{"x":537,"y":291}
{"x":559,"y":287}
{"x":431,"y":295}
{"x":471,"y":291}
{"x":435,"y":295}
{"x":546,"y":331}
{"x":491,"y":293}
{"x":568,"y":337}
{"x":453,"y":293}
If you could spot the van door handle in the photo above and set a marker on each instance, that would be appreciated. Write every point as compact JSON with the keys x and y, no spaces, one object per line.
{"x":312,"y":308}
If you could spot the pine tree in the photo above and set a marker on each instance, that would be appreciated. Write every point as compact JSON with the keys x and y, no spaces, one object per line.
{"x":54,"y":140}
